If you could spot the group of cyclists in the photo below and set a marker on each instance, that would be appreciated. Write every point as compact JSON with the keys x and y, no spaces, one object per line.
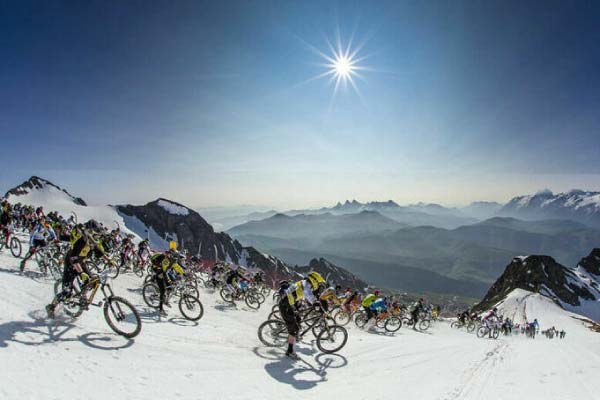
{"x":79,"y":244}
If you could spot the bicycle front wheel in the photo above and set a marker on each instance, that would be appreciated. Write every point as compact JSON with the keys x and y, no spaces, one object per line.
{"x":332,"y":339}
{"x":15,"y":247}
{"x":273,"y":333}
{"x":392,"y":324}
{"x":252,"y":301}
{"x":341,"y":317}
{"x":191,"y":307}
{"x":482,"y":331}
{"x":424,"y":324}
{"x":122,"y":317}
{"x":151,"y":295}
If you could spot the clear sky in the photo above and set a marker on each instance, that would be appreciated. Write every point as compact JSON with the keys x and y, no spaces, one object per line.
{"x":212,"y":103}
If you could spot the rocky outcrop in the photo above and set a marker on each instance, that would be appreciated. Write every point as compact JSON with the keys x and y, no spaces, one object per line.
{"x":542,"y":274}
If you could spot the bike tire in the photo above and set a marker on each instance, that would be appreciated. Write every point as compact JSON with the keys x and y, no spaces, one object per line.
{"x":117,"y":310}
{"x":273,"y":333}
{"x":342,"y":318}
{"x":495,"y":333}
{"x":151,"y":295}
{"x":334,"y":334}
{"x":15,"y":247}
{"x":455,"y":325}
{"x":360,"y":320}
{"x":73,"y":306}
{"x":471,"y":327}
{"x":393,"y":324}
{"x":227,"y":296}
{"x":424,"y":324}
{"x":191,"y":307}
{"x":481,"y":332}
{"x":252,"y":301}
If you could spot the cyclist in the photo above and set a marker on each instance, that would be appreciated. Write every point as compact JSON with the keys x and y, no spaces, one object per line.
{"x":330,"y":295}
{"x":489,"y":319}
{"x":5,"y":219}
{"x":307,"y":290}
{"x":366,"y":303}
{"x":418,"y":307}
{"x":87,"y":244}
{"x":231,"y":279}
{"x":39,"y":238}
{"x":162,"y":266}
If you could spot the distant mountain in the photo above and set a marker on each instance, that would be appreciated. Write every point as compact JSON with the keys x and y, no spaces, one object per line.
{"x":576,"y":205}
{"x":574,"y":289}
{"x":36,"y":189}
{"x":317,"y":226}
{"x":332,"y":273}
{"x":225,"y":223}
{"x":482,"y":209}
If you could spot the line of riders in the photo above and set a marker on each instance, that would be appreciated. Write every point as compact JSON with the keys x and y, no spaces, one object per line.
{"x":492,"y":324}
{"x":79,"y":254}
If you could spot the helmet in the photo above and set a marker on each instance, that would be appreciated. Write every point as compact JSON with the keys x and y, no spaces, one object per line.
{"x":376,"y":293}
{"x":315,"y":279}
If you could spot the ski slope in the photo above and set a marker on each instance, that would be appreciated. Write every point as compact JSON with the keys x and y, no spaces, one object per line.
{"x":220,"y":357}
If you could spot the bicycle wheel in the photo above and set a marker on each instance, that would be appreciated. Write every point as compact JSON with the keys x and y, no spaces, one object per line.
{"x":332,"y":339}
{"x":122,"y":317}
{"x":191,"y":290}
{"x":226,"y":295}
{"x":151,"y":295}
{"x":252,"y":301}
{"x":424,"y":324}
{"x":495,"y":333}
{"x":73,"y":306}
{"x":482,"y":331}
{"x":138,"y":270}
{"x":471,"y":326}
{"x":191,"y":307}
{"x":392,"y":324}
{"x":455,"y":325}
{"x":361,"y":319}
{"x":113,"y":271}
{"x":260,"y":297}
{"x":380,"y":322}
{"x":273,"y":333}
{"x":341,"y":317}
{"x":15,"y":247}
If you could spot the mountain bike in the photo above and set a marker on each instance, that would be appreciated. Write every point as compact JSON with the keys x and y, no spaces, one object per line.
{"x":252,"y":298}
{"x":492,"y":332}
{"x":330,"y":337}
{"x":384,"y":320}
{"x":189,"y":303}
{"x":14,"y":244}
{"x":120,"y":314}
{"x":49,"y":258}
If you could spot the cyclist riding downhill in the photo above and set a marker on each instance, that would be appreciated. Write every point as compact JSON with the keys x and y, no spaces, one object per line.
{"x":40,"y":237}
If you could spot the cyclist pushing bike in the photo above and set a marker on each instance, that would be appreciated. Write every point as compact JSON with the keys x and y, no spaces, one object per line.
{"x":308,"y":290}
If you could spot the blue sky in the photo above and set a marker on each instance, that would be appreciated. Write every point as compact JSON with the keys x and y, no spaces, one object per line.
{"x":208,"y":103}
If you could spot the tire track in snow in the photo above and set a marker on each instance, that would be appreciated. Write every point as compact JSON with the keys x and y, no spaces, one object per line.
{"x":478,"y":374}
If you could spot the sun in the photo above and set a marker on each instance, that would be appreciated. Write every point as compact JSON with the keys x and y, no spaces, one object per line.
{"x":342,"y":65}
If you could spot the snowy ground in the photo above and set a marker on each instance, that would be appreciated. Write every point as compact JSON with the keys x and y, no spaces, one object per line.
{"x":221,"y":357}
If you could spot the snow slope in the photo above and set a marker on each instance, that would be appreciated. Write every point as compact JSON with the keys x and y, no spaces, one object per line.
{"x":221,"y":357}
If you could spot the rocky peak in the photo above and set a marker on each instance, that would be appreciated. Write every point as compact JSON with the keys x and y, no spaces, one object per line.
{"x":540,"y":274}
{"x":591,"y":263}
{"x":35,"y":183}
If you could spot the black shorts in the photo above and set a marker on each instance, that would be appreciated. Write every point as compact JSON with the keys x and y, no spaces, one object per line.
{"x":290,"y":317}
{"x":38,"y":243}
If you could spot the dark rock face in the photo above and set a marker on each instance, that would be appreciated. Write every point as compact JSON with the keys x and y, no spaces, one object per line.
{"x":197,"y":237}
{"x":38,"y":183}
{"x":332,"y":273}
{"x":540,"y":274}
{"x":591,"y":263}
{"x":193,"y":233}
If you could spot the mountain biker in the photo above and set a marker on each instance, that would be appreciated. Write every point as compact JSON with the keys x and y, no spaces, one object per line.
{"x":39,"y":238}
{"x":490,"y":318}
{"x":231,"y":279}
{"x":330,"y":295}
{"x":87,"y":245}
{"x":307,"y":290}
{"x":366,"y":303}
{"x":5,"y":219}
{"x":162,"y":265}
{"x":418,"y":307}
